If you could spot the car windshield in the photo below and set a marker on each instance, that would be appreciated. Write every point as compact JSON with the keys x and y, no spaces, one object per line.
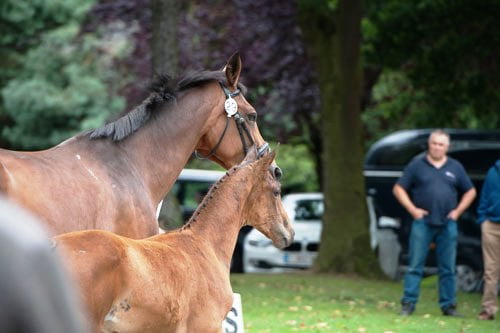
{"x":306,"y":210}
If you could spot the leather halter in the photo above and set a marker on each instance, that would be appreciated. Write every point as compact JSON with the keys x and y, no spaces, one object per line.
{"x":240,"y":125}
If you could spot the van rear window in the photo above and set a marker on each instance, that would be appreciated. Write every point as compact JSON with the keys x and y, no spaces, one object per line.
{"x":477,"y":160}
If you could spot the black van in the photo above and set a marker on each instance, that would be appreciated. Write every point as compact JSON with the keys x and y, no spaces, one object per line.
{"x":389,"y":221}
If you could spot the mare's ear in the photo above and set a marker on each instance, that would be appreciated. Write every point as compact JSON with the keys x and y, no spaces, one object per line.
{"x":251,"y":155}
{"x":233,"y":70}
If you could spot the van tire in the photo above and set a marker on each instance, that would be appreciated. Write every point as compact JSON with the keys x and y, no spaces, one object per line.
{"x":468,"y":279}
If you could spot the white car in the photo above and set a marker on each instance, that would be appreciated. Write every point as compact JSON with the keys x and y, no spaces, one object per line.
{"x":305,"y":211}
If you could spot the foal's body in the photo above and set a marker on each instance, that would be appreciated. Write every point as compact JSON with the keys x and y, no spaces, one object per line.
{"x":113,"y":178}
{"x":154,"y":285}
{"x":178,"y":281}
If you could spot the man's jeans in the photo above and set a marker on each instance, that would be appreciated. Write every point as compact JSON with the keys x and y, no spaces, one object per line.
{"x":421,"y":236}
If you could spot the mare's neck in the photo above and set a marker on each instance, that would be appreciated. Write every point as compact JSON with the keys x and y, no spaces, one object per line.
{"x":163,"y":146}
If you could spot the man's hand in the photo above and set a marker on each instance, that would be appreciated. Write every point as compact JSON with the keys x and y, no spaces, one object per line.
{"x":418,"y":213}
{"x":454,"y":214}
{"x":403,"y":197}
{"x":465,"y":202}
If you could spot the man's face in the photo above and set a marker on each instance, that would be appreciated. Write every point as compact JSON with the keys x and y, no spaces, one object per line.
{"x":438,"y":146}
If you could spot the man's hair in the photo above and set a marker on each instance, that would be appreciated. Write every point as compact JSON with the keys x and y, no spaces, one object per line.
{"x":440,"y":131}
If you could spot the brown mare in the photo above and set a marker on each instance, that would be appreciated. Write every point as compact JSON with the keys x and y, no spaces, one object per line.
{"x":177,"y":281}
{"x":113,"y":178}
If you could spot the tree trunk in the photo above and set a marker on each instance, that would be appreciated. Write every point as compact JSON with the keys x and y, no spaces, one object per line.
{"x":164,"y":48}
{"x":333,"y":38}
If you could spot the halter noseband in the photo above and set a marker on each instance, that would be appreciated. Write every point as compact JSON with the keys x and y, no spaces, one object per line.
{"x":231,"y":108}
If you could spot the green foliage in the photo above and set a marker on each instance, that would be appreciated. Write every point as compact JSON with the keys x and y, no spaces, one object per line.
{"x":318,"y":6}
{"x":443,"y":55}
{"x":21,"y":21}
{"x":201,"y":163}
{"x":296,"y":162}
{"x":396,"y":105}
{"x":299,"y":171}
{"x":65,"y":84}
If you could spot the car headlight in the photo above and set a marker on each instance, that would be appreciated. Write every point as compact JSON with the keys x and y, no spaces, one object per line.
{"x":260,"y":242}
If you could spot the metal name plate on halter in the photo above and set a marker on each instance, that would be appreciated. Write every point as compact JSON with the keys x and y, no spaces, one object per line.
{"x":230,"y":106}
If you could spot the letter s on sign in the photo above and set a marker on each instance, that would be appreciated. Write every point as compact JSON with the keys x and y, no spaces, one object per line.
{"x":232,"y":322}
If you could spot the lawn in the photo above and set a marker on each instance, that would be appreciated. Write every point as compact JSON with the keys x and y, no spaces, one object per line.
{"x":306,"y":302}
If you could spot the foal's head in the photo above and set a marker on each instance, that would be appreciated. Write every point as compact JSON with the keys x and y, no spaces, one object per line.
{"x":232,"y":128}
{"x":263,"y":208}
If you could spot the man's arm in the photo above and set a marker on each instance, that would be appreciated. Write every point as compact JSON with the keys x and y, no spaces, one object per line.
{"x":464,"y":203}
{"x":484,"y":199}
{"x":404,"y":199}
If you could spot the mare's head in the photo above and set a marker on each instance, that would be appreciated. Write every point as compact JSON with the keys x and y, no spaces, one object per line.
{"x":263,"y":208}
{"x":229,"y":127}
{"x":232,"y":127}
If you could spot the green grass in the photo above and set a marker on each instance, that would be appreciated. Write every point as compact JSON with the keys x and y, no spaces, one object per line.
{"x":304,"y":302}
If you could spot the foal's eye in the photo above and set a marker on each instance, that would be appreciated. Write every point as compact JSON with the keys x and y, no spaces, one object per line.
{"x":276,"y":193}
{"x":252,"y":117}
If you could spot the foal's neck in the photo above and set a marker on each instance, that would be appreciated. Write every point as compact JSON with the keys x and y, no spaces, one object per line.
{"x":219,"y":218}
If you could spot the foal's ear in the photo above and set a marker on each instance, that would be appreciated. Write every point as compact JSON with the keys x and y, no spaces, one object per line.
{"x":268,"y":159}
{"x":251,"y":155}
{"x":233,"y":70}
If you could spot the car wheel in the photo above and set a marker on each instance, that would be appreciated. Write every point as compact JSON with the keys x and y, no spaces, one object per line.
{"x":468,"y":279}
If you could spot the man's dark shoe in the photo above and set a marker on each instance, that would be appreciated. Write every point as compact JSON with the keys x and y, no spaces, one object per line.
{"x":407,"y":309}
{"x":451,"y":311}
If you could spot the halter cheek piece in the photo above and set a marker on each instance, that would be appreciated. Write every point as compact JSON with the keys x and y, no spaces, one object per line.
{"x":231,"y":108}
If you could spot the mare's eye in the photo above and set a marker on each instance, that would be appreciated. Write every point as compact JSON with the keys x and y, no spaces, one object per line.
{"x":276,"y":193}
{"x":252,"y":117}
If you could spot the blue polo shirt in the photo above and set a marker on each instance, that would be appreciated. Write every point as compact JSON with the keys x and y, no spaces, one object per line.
{"x":435,"y":190}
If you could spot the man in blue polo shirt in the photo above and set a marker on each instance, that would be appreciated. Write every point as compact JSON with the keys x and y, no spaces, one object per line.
{"x":435,"y":190}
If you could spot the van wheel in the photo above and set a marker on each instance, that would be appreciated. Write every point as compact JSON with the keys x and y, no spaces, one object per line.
{"x":468,"y":279}
{"x":388,"y":251}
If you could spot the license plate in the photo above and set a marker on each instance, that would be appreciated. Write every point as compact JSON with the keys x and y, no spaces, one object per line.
{"x":299,"y":259}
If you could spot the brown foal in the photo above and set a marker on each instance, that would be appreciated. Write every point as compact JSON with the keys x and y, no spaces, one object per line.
{"x":177,"y":281}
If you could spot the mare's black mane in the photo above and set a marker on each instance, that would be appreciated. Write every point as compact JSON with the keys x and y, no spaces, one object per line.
{"x":163,"y":91}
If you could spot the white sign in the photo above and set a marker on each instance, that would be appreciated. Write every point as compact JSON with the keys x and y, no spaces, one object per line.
{"x":233,"y":323}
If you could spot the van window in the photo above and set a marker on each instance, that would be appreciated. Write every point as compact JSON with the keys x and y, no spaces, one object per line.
{"x":395,"y":155}
{"x":477,"y":160}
